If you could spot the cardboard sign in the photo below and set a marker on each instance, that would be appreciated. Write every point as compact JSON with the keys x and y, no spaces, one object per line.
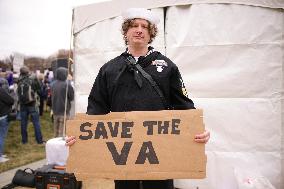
{"x":137,"y":145}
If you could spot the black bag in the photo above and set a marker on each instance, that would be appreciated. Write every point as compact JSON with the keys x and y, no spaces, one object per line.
{"x":22,"y":178}
{"x":25,"y":91}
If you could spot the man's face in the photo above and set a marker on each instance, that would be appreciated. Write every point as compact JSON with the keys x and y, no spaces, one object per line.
{"x":138,"y":32}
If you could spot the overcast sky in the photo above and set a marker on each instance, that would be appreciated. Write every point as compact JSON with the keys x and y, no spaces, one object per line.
{"x":36,"y":27}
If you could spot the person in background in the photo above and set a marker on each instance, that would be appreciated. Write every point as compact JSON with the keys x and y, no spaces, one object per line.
{"x":10,"y":78}
{"x":4,"y":76}
{"x":28,"y":104}
{"x":16,"y":98}
{"x":46,"y":77}
{"x":42,"y":94}
{"x":120,"y":86}
{"x":58,"y":96}
{"x":48,"y":91}
{"x":6,"y":103}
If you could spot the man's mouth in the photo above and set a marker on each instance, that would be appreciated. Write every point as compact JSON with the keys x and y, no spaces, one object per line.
{"x":139,"y":37}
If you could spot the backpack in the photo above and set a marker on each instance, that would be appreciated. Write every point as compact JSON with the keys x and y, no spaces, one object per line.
{"x":25,"y":91}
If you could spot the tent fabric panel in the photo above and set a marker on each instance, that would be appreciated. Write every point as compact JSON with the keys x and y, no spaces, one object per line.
{"x":233,"y":69}
{"x":81,"y":102}
{"x":242,"y":124}
{"x":85,"y":17}
{"x":103,"y":36}
{"x":223,"y":25}
{"x":234,"y":169}
{"x":239,"y":66}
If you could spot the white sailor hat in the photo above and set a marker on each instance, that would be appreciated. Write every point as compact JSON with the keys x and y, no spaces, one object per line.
{"x":143,"y":13}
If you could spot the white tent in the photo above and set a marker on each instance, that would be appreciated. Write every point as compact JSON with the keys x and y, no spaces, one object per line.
{"x":230,"y":54}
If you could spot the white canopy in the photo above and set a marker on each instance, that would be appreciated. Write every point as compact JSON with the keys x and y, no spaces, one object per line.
{"x":230,"y":54}
{"x":88,"y":15}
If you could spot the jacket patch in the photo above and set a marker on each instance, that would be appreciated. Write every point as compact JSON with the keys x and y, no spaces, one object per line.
{"x":184,"y":92}
{"x":160,"y":65}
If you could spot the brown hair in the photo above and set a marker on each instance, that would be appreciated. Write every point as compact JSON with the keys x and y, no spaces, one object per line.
{"x":153,"y":30}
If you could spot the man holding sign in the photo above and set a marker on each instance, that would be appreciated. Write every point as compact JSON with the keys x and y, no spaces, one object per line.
{"x":140,"y":79}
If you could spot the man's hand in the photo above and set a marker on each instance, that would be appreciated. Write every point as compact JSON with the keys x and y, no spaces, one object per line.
{"x":203,"y":137}
{"x":70,"y":140}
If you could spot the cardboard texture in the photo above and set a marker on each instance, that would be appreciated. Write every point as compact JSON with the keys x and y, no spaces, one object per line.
{"x":137,"y":145}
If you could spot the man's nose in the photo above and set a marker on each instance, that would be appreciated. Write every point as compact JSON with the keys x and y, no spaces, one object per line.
{"x":139,"y":32}
{"x":139,"y":29}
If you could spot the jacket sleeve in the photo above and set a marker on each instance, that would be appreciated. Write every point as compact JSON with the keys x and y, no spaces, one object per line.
{"x":98,"y":98}
{"x":178,"y":95}
{"x":6,"y":98}
{"x":70,"y":92}
{"x":36,"y":85}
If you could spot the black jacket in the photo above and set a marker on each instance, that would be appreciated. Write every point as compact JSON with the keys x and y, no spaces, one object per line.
{"x":6,"y":102}
{"x":116,"y":88}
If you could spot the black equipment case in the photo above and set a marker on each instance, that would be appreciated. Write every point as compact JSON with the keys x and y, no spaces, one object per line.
{"x":49,"y":177}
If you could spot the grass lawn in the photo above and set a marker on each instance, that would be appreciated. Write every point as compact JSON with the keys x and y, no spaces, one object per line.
{"x":20,"y":154}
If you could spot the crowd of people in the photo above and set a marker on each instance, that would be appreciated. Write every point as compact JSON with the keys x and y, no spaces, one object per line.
{"x":25,"y":96}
